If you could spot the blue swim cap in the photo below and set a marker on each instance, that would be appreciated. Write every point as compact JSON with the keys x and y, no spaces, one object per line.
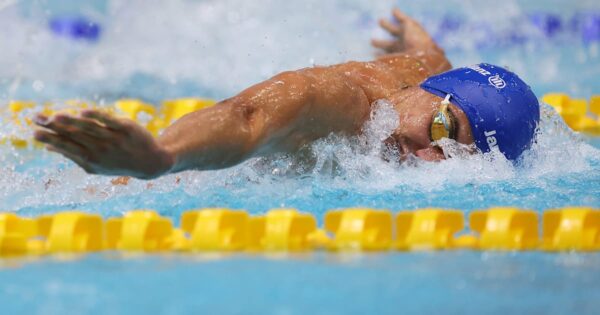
{"x":501,"y":108}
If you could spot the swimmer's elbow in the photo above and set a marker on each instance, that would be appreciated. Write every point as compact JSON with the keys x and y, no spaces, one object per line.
{"x":252,"y":129}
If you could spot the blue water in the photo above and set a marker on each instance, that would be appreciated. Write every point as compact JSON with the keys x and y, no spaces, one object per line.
{"x":415,"y":283}
{"x":155,"y":50}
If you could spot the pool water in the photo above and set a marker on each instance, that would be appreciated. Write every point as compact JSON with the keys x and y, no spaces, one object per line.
{"x":156,"y":50}
{"x":413,"y":283}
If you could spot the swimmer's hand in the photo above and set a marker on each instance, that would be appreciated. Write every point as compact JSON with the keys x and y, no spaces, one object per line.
{"x":102,"y":144}
{"x":407,"y":34}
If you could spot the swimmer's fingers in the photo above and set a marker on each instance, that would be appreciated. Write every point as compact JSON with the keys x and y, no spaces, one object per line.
{"x":61,"y":143}
{"x":388,"y":46}
{"x":401,"y":17}
{"x":414,"y":35}
{"x":111,"y":122}
{"x":75,"y":127}
{"x":86,"y":125}
{"x":405,"y":20}
{"x":86,"y":133}
{"x":396,"y":30}
{"x":382,"y":44}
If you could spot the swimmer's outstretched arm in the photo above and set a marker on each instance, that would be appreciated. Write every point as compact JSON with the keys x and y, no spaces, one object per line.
{"x":280,"y":114}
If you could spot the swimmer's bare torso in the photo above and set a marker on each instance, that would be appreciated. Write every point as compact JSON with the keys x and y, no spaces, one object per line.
{"x":280,"y":114}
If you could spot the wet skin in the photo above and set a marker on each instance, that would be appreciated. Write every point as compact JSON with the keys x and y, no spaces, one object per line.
{"x":280,"y":114}
{"x":416,"y":108}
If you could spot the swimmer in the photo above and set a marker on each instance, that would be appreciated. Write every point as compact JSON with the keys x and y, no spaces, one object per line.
{"x":484,"y":105}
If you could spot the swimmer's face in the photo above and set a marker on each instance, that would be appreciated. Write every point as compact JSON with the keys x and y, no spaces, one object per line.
{"x":416,"y":109}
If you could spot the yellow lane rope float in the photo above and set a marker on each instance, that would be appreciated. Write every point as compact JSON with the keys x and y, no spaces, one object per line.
{"x":288,"y":230}
{"x":577,"y":113}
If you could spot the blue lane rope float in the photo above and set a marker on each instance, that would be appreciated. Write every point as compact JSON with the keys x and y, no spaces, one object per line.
{"x":583,"y":25}
{"x":288,"y":230}
{"x":75,"y":27}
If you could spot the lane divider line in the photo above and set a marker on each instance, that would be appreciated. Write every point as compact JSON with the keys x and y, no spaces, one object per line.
{"x":289,"y":230}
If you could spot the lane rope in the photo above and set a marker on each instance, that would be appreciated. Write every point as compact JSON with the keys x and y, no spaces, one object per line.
{"x":288,"y":230}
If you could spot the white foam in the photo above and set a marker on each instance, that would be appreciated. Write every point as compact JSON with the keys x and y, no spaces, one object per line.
{"x":361,"y":164}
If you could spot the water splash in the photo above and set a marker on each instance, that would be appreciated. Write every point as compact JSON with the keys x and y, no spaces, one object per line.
{"x":362,"y":165}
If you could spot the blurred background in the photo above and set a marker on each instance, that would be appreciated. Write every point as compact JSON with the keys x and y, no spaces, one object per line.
{"x":107,"y":49}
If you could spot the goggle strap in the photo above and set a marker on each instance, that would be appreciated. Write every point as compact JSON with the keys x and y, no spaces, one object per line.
{"x":446,"y":100}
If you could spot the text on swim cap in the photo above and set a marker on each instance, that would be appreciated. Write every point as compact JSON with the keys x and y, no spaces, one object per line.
{"x":480,"y":70}
{"x":490,"y":139}
{"x":495,"y":80}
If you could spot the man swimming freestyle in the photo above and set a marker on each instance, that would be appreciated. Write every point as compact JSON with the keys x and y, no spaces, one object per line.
{"x":482,"y":104}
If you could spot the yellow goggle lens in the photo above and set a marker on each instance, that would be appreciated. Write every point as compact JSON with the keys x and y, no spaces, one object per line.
{"x":442,"y":124}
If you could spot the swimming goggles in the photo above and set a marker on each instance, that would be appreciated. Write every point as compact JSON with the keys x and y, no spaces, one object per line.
{"x":442,"y":125}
